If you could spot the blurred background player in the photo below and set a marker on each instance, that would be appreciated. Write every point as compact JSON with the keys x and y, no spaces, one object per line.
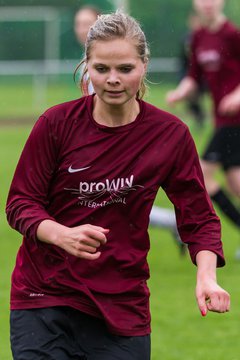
{"x":84,"y":18}
{"x":194,"y":103}
{"x":215,"y":56}
{"x":159,"y":217}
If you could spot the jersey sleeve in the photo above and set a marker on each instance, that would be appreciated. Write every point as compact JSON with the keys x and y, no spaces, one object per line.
{"x":234,"y":40}
{"x":194,"y":70}
{"x":27,"y":199}
{"x":197,"y":222}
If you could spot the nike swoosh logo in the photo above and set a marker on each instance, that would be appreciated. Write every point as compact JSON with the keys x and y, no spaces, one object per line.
{"x":71,"y":170}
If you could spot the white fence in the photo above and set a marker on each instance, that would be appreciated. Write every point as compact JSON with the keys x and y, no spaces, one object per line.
{"x":41,"y":70}
{"x":54,"y":67}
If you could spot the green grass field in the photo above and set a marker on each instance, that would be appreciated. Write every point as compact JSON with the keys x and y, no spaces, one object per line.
{"x":178,"y":330}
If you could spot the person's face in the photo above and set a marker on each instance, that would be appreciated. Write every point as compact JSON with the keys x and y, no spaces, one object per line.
{"x":194,"y":23}
{"x":84,"y":19}
{"x":208,"y":9}
{"x":116,"y":70}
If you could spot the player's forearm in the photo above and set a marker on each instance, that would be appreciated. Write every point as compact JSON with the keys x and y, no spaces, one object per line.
{"x":206,"y":263}
{"x":210,"y":296}
{"x":186,"y":87}
{"x":50,"y":231}
{"x":82,"y":241}
{"x":236,"y":91}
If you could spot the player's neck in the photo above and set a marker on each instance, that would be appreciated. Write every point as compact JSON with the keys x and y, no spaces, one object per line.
{"x":215,"y":24}
{"x":113,"y":116}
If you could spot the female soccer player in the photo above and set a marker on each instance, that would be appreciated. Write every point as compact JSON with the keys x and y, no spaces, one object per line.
{"x":81,"y":196}
{"x":216,"y":59}
{"x":159,"y":217}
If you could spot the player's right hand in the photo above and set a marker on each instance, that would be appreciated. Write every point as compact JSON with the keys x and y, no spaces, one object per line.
{"x":83,"y":241}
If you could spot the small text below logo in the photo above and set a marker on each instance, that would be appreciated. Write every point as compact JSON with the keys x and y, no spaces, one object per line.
{"x":36,"y":295}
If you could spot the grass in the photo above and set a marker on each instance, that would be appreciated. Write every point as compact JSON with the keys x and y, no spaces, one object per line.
{"x":33,"y":96}
{"x":178,"y":330}
{"x":11,"y":142}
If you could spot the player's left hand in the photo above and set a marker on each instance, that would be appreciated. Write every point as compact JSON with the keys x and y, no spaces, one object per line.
{"x":230,"y":104}
{"x":211,"y":297}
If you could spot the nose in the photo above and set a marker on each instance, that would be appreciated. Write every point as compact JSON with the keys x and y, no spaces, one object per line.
{"x":113,"y":78}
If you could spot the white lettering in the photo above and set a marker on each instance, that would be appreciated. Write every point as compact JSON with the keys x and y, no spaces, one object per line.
{"x":91,"y":186}
{"x":130,"y":182}
{"x":94,"y":205}
{"x":113,"y":185}
{"x":83,"y":187}
{"x":100,"y":186}
{"x":89,"y":193}
{"x":34,"y":295}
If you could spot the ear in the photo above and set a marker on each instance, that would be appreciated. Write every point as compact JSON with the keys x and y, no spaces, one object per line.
{"x":145,"y":66}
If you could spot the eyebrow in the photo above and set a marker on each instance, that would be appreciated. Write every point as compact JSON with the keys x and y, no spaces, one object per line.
{"x":127,"y":65}
{"x":120,"y":65}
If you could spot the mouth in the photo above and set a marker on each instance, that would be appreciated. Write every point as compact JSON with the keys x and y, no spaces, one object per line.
{"x":208,"y":11}
{"x":114,"y":92}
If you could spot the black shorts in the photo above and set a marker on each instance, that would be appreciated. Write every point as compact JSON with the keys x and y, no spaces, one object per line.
{"x":63,"y":333}
{"x":224,"y":147}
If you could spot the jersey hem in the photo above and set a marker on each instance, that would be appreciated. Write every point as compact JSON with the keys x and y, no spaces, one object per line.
{"x":19,"y":305}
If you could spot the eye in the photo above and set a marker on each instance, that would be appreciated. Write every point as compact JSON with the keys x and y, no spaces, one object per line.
{"x":101,"y":69}
{"x":125,"y":69}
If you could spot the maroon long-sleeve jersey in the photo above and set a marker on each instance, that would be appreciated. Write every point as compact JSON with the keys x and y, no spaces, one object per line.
{"x":74,"y":171}
{"x":216,"y":59}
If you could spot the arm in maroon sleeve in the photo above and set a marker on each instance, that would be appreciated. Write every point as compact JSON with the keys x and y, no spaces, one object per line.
{"x":234,"y":41}
{"x":197,"y":222}
{"x":194,"y":70}
{"x":27,"y":199}
{"x":188,"y":84}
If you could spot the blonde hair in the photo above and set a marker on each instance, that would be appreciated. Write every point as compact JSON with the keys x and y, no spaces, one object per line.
{"x":114,"y":26}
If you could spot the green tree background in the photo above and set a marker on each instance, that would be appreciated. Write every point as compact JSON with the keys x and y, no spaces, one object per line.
{"x":164,"y":22}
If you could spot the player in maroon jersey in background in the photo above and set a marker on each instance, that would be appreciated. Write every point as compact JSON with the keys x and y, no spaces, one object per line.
{"x":81,"y":196}
{"x":84,"y":18}
{"x":194,"y":103}
{"x":216,"y":59}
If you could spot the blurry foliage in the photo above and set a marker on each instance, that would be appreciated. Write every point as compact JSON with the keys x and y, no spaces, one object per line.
{"x":17,"y":33}
{"x":25,"y":40}
{"x":164,"y":22}
{"x":58,"y":3}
